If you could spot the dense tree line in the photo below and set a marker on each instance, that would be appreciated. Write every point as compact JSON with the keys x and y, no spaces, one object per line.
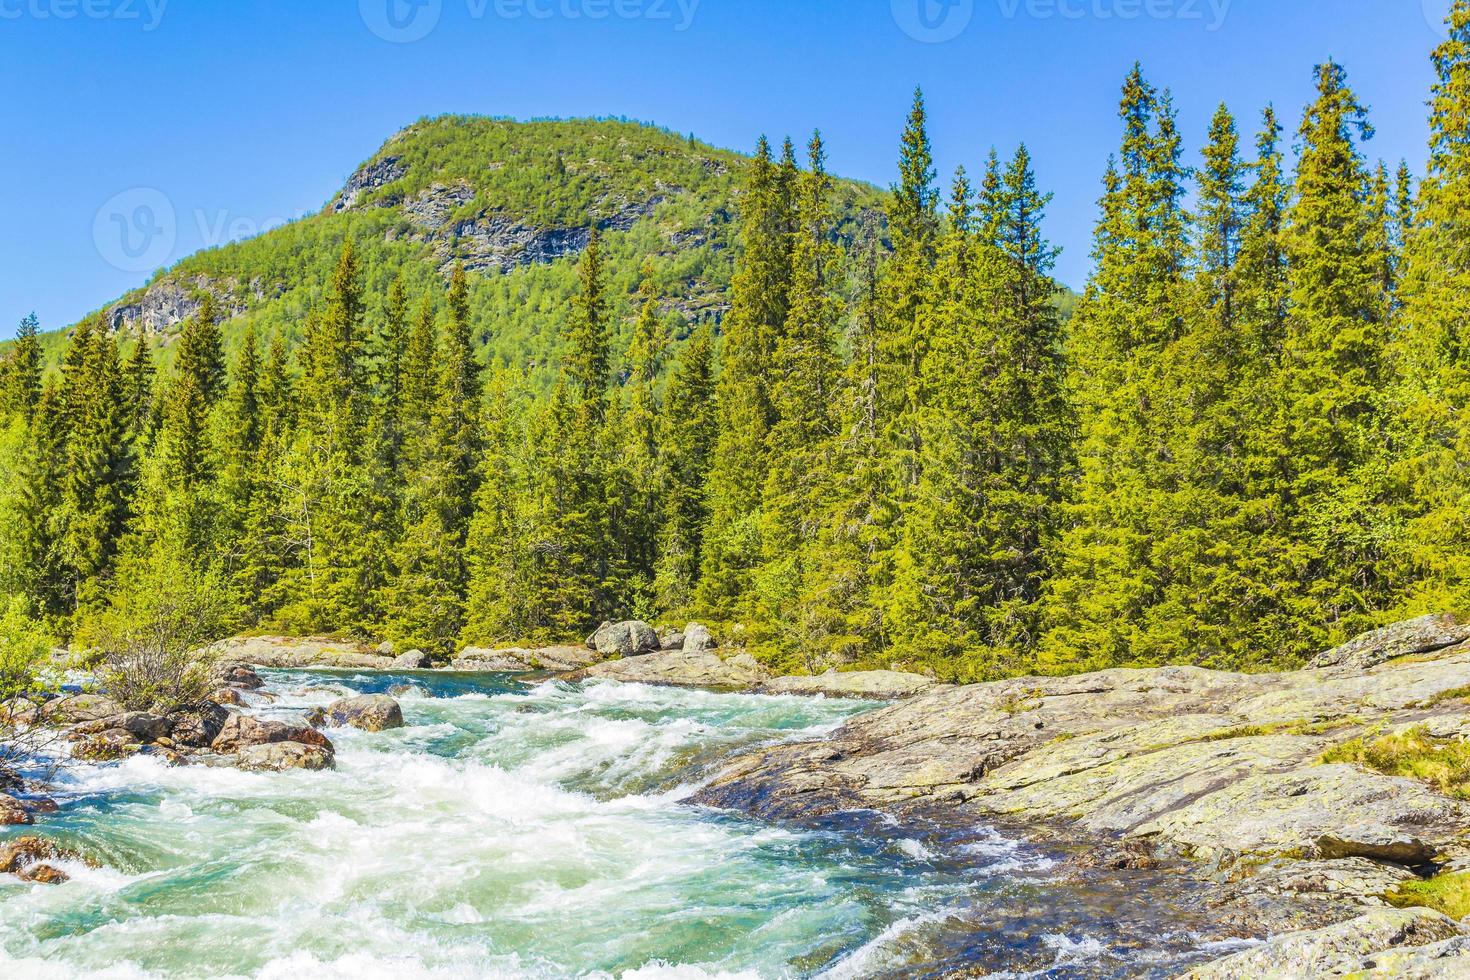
{"x":1246,"y":443}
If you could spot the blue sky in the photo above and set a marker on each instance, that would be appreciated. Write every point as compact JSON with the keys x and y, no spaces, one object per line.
{"x":242,"y":114}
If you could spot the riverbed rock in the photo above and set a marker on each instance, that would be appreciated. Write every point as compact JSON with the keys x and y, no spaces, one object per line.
{"x":74,"y":709}
{"x":1347,"y":948}
{"x":43,"y":874}
{"x":729,"y":670}
{"x":633,"y":638}
{"x":878,"y":685}
{"x":241,"y":731}
{"x":291,"y":652}
{"x":24,"y":853}
{"x":106,"y":746}
{"x":238,"y":676}
{"x":1223,"y":770}
{"x":12,"y":812}
{"x":199,"y":724}
{"x":142,"y":725}
{"x":697,"y":638}
{"x":370,"y":712}
{"x":281,"y":756}
{"x":516,"y":660}
{"x":412,"y":660}
{"x":671,"y":640}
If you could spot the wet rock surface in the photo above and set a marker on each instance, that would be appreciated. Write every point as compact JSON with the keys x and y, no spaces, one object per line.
{"x":370,"y":712}
{"x":1224,"y":771}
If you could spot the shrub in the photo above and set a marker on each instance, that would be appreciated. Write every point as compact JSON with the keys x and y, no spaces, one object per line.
{"x":1448,"y":893}
{"x":153,"y":642}
{"x":24,"y":647}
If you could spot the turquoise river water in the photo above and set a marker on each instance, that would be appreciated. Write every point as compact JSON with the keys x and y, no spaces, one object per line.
{"x":536,"y":830}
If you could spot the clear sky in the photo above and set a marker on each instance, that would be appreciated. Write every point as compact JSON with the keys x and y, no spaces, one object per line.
{"x":239,"y":114}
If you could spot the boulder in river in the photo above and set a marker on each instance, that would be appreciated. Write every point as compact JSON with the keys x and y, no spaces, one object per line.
{"x":241,"y":731}
{"x":197,"y":725}
{"x":240,"y":676}
{"x":281,"y":756}
{"x":628,"y":639}
{"x":25,"y":857}
{"x":105,"y":746}
{"x":523,"y":660}
{"x":12,"y":813}
{"x":370,"y":712}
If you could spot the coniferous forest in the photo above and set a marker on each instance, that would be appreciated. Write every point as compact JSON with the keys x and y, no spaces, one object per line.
{"x":1247,"y":442}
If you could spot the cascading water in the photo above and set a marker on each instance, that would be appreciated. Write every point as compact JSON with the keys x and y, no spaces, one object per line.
{"x":537,"y":831}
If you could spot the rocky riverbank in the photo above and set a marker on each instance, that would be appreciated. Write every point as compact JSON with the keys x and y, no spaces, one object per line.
{"x":1268,"y":785}
{"x":81,"y":729}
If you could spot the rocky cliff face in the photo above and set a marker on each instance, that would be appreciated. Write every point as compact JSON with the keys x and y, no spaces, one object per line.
{"x":165,"y":304}
{"x":1224,"y":772}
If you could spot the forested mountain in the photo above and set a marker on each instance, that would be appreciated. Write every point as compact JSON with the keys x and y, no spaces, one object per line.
{"x":450,"y":416}
{"x":513,"y":202}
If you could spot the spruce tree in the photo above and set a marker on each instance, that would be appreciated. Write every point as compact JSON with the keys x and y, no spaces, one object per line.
{"x":752,"y":328}
{"x":1331,"y":422}
{"x":1430,"y":354}
{"x":20,"y":371}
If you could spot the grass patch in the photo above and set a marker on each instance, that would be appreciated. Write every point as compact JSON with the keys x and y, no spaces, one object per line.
{"x":1300,"y":727}
{"x":1454,"y":694}
{"x":1442,"y":763}
{"x":1449,"y":894}
{"x":1019,"y":704}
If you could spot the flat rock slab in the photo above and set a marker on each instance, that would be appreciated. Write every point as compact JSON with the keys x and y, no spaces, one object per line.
{"x":517,"y":660}
{"x":1347,"y":948}
{"x":879,"y":685}
{"x":286,"y":652}
{"x":682,"y":668}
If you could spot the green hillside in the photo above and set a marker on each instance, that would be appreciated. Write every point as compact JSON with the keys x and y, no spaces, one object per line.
{"x":512,"y":201}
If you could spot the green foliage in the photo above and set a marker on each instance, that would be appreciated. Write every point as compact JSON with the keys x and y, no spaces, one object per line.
{"x":153,"y":637}
{"x":1415,"y":754}
{"x":741,"y":390}
{"x":1447,"y":893}
{"x":24,"y":647}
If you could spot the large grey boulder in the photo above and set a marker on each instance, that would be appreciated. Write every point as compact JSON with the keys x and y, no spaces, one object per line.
{"x":241,"y":731}
{"x":629,"y":639}
{"x":281,"y":756}
{"x":1427,"y":634}
{"x":199,"y":724}
{"x":412,"y":660}
{"x":77,"y":708}
{"x":697,"y":638}
{"x":370,"y":712}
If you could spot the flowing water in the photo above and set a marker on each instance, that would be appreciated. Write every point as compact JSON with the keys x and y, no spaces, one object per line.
{"x":537,"y":830}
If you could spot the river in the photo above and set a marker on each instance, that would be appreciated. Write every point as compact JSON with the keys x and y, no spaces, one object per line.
{"x":537,"y":830}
